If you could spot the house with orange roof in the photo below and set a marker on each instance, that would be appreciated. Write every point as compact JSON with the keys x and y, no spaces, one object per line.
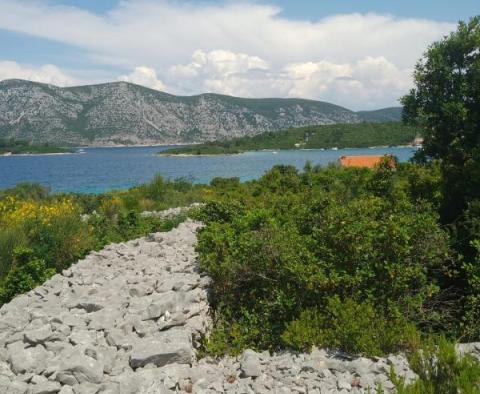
{"x":368,"y":161}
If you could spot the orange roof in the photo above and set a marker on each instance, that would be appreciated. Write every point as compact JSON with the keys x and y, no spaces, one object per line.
{"x":369,"y":161}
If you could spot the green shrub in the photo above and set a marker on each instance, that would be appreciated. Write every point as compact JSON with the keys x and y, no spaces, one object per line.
{"x":27,"y":191}
{"x":11,"y":237}
{"x":351,"y":327}
{"x":472,"y":300}
{"x":441,"y":370}
{"x":27,"y":272}
{"x":290,"y":243}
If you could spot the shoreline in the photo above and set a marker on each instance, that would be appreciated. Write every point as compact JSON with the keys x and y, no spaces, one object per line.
{"x":38,"y":154}
{"x":279,"y":150}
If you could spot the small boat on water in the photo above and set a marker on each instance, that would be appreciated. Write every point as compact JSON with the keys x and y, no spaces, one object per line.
{"x":334,"y":148}
{"x":81,"y":151}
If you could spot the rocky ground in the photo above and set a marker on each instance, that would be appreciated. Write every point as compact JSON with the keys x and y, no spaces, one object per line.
{"x":127,"y":320}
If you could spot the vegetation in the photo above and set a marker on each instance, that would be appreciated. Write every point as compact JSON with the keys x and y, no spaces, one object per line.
{"x":360,"y":135}
{"x":390,"y":114}
{"x":294,"y":257}
{"x":361,"y":260}
{"x":17,"y":147}
{"x":445,"y":103}
{"x":441,"y":371}
{"x":41,"y":234}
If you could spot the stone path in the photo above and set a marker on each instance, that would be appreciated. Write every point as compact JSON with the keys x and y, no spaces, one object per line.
{"x":127,"y":320}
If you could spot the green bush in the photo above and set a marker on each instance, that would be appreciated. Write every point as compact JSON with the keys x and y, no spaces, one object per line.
{"x":27,"y":272}
{"x":27,"y":191}
{"x":472,"y":300}
{"x":351,"y":327}
{"x":441,"y":370}
{"x":286,"y":245}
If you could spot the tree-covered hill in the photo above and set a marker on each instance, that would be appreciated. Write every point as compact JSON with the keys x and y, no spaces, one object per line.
{"x":390,"y":114}
{"x":359,"y":135}
{"x":24,"y":147}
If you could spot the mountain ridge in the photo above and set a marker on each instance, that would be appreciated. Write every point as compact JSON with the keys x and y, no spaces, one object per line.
{"x":122,"y":113}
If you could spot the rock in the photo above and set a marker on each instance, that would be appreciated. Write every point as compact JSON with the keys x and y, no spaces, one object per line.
{"x":169,"y":302}
{"x":46,"y":388}
{"x":250,"y":364}
{"x":142,"y":382}
{"x":39,"y":335}
{"x":5,"y":370}
{"x":28,"y":360}
{"x":116,"y":337}
{"x":79,"y":368}
{"x":66,"y":390}
{"x":16,"y":388}
{"x":165,"y":348}
{"x":86,"y":388}
{"x":344,"y":385}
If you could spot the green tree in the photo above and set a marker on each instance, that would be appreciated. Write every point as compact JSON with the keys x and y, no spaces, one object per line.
{"x":445,"y":103}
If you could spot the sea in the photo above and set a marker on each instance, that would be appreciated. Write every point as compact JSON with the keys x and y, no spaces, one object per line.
{"x":97,"y":170}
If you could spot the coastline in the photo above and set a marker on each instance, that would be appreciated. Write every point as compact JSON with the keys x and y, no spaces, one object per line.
{"x":277,"y":150}
{"x":38,"y":154}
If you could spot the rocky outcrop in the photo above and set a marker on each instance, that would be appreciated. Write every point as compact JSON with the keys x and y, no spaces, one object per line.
{"x":128,"y":319}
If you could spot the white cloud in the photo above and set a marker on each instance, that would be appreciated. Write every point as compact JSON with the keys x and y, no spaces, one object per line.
{"x":367,"y":83}
{"x":145,"y":76}
{"x":47,"y":73}
{"x":361,"y":84}
{"x":241,"y":48}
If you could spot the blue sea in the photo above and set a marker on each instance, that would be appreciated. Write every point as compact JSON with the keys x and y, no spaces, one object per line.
{"x":101,"y":169}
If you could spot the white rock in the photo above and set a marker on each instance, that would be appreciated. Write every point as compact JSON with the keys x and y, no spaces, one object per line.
{"x":165,"y":348}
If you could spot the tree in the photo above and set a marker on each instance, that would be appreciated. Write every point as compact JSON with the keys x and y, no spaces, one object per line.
{"x":445,"y":103}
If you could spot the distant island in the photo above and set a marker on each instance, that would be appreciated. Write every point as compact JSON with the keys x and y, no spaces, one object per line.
{"x":12,"y":147}
{"x":360,"y":135}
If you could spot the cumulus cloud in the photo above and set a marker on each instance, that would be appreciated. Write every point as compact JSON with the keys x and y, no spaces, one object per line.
{"x":361,"y":84}
{"x":241,"y":48}
{"x":47,"y":73}
{"x":145,"y":76}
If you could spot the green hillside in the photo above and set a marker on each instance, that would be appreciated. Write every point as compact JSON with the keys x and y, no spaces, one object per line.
{"x":24,"y":147}
{"x":390,"y":114}
{"x":360,"y":135}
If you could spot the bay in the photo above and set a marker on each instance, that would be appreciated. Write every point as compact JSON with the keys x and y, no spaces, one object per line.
{"x":103,"y":169}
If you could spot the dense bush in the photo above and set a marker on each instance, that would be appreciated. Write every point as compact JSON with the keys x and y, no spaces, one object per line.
{"x":287,"y":251}
{"x":355,"y":328}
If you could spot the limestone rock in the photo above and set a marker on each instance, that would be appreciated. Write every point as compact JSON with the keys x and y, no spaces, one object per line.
{"x":165,"y":348}
{"x":250,"y":364}
{"x":79,"y":368}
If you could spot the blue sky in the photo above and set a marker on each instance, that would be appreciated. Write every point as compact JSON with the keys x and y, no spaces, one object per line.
{"x":441,"y":10}
{"x":352,"y":52}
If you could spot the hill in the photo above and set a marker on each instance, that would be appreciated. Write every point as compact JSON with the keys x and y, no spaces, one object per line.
{"x":124,"y":113}
{"x":359,"y":135}
{"x":390,"y":114}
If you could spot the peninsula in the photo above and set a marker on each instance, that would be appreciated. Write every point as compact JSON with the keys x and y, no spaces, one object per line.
{"x":359,"y":135}
{"x":12,"y":147}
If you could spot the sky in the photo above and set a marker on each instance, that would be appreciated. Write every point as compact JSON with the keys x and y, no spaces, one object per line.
{"x":355,"y":53}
